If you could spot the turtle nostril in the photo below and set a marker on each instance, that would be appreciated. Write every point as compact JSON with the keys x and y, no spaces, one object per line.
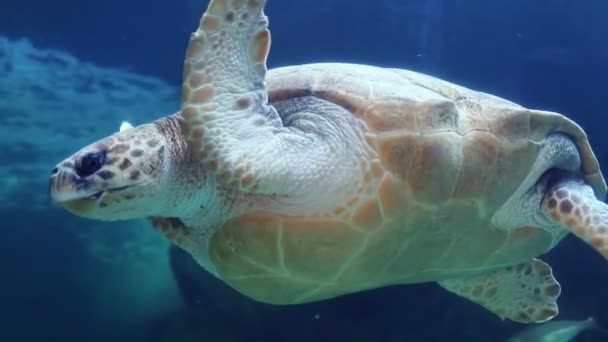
{"x":54,"y":172}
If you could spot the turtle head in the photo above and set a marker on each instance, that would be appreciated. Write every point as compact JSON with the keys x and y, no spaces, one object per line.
{"x":118,"y":177}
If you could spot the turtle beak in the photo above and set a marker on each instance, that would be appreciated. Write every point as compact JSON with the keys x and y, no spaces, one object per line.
{"x":68,"y":191}
{"x":61,"y":186}
{"x":66,"y":186}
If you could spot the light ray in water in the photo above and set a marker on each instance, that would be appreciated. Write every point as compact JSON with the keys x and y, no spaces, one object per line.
{"x":429,"y":46}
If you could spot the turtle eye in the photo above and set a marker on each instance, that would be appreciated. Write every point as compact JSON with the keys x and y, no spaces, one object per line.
{"x":90,"y":163}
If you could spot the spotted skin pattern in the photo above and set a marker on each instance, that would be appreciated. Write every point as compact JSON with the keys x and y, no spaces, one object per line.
{"x":174,"y":230}
{"x":404,"y":181}
{"x":213,"y":87}
{"x":308,"y":182}
{"x":579,"y":212}
{"x":523,"y":293}
{"x":132,"y":158}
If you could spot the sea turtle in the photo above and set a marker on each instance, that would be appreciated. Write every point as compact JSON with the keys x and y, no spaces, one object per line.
{"x":308,"y":182}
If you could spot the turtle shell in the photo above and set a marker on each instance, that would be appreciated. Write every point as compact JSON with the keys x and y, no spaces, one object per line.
{"x":402,"y":103}
{"x":445,"y":159}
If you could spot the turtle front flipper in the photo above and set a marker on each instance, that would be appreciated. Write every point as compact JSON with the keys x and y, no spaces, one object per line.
{"x":525,"y":293}
{"x":224,"y":98}
{"x":184,"y":237}
{"x":225,"y":63}
{"x":240,"y":139}
{"x":573,"y":205}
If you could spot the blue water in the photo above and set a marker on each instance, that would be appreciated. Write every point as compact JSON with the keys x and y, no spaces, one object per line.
{"x":70,"y":71}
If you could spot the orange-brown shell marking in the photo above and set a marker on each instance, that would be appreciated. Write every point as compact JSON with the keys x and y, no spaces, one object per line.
{"x":446,"y":158}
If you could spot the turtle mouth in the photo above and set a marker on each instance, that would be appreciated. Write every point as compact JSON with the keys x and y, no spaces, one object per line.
{"x":66,"y":187}
{"x":95,"y":196}
{"x":99,"y":194}
{"x":90,"y":197}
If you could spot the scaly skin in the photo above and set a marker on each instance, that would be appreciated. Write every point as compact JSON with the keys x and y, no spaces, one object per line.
{"x":572,"y":204}
{"x":319,"y":180}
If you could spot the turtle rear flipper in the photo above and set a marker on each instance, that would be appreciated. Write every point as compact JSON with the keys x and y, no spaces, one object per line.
{"x":573,"y":205}
{"x":525,"y":293}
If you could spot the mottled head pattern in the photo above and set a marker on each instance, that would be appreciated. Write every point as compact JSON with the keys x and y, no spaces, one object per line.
{"x":117,"y":177}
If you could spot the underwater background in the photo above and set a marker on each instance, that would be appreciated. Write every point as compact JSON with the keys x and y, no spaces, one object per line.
{"x":72,"y":70}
